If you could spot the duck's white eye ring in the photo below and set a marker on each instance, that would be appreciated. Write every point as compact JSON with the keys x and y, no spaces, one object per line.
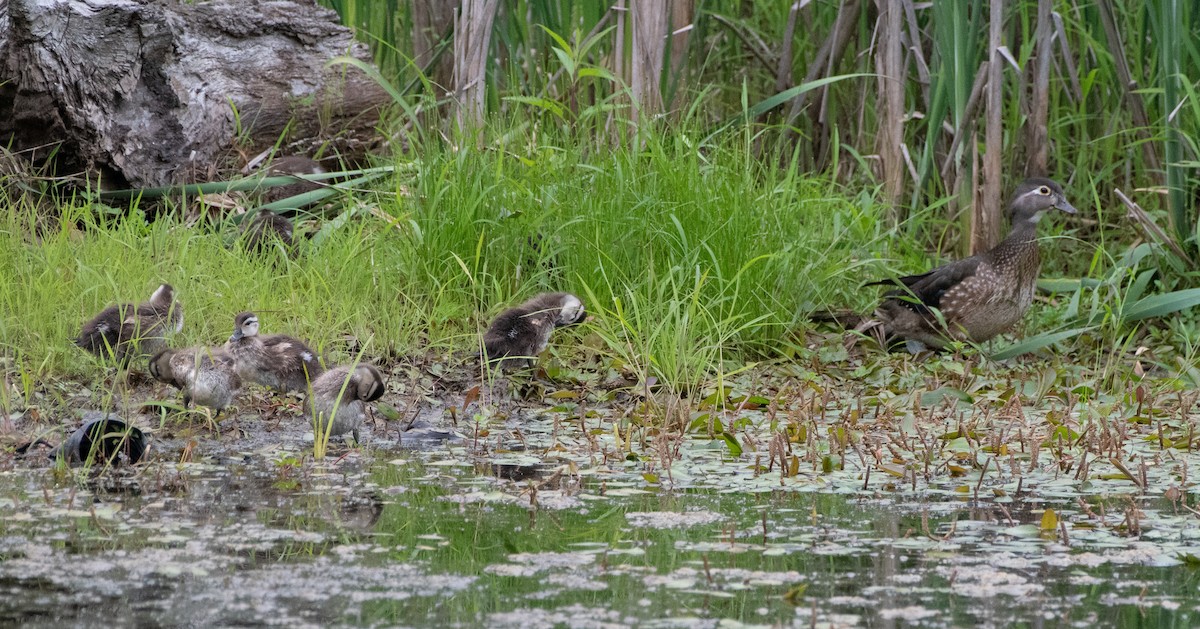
{"x":1044,"y":191}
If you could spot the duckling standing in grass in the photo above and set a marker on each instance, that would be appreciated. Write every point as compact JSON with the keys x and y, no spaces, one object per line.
{"x":124,"y":331}
{"x":261,"y":230}
{"x":205,"y":375}
{"x":521,"y":333}
{"x":354,"y":387}
{"x":980,"y":296}
{"x":276,"y":361}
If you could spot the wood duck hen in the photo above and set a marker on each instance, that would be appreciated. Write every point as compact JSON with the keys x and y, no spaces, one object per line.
{"x":524,"y":331}
{"x":123,"y":331}
{"x":348,"y":390}
{"x":276,"y":361}
{"x":207,"y":376}
{"x":980,"y":296}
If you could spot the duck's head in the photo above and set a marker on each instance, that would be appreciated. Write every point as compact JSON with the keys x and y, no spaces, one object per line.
{"x":571,"y":311}
{"x":370,"y":383}
{"x":164,"y":295}
{"x":245,"y":324}
{"x":160,"y":366}
{"x":1037,"y":195}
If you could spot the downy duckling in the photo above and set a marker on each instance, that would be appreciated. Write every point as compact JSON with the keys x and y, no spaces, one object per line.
{"x":521,"y":333}
{"x":277,"y":361}
{"x":288,"y":165}
{"x":260,"y":230}
{"x":362,"y":384}
{"x":124,"y":331}
{"x":205,"y":375}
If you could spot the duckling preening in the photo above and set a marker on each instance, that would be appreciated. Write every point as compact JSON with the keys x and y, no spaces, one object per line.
{"x":260,"y":231}
{"x":348,"y":389}
{"x":978,"y":297}
{"x":523,"y":332}
{"x":207,"y":376}
{"x":276,"y":361}
{"x":123,"y":331}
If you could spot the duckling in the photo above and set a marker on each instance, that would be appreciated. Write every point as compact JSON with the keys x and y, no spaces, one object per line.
{"x":524,"y":331}
{"x":205,"y":375}
{"x":291,"y":165}
{"x":362,"y":384}
{"x":980,"y":296}
{"x":276,"y":361}
{"x":259,"y":230}
{"x":124,"y":331}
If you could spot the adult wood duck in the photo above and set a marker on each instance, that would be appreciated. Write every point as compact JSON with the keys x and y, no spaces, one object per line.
{"x":207,"y":376}
{"x":980,"y":296}
{"x":348,"y":390}
{"x":124,"y":331}
{"x":524,"y":331}
{"x":277,"y":361}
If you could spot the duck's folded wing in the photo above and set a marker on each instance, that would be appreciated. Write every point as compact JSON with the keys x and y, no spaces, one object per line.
{"x":928,"y":290}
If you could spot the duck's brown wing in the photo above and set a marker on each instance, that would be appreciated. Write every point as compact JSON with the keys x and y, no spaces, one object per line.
{"x":107,"y":329}
{"x":926,"y":291}
{"x":295,"y":363}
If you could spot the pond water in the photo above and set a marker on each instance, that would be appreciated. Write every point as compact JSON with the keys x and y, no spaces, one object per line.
{"x":386,"y":536}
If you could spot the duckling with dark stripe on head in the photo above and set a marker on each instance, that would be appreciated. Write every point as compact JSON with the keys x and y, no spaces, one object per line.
{"x":206,"y":375}
{"x":276,"y":361}
{"x":124,"y":331}
{"x":980,"y":296}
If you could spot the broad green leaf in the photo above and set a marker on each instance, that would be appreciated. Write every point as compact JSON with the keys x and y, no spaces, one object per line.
{"x":1037,"y":342}
{"x":1162,"y":304}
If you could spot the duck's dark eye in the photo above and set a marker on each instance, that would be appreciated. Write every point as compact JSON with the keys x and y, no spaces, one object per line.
{"x":1044,"y":191}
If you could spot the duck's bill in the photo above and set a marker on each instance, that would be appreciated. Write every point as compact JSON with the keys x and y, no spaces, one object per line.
{"x":1066,"y":206}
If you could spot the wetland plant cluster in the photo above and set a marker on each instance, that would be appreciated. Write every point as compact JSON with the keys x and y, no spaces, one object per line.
{"x":695,"y":449}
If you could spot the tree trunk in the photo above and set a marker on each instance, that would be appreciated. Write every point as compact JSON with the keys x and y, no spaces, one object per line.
{"x":472,"y":38}
{"x":1039,"y":114}
{"x":650,"y":20}
{"x":682,"y":14}
{"x":155,"y":92}
{"x":985,"y":226}
{"x":431,"y":19}
{"x":889,"y":65}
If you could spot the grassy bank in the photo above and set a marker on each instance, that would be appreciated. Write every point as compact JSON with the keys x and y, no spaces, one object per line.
{"x":688,"y":256}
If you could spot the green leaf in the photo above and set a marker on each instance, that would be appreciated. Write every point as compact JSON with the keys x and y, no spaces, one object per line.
{"x":542,"y":103}
{"x":1035,"y":343}
{"x":1065,"y":284}
{"x":1160,"y":305}
{"x":597,"y":72}
{"x":565,"y":59}
{"x":735,"y":448}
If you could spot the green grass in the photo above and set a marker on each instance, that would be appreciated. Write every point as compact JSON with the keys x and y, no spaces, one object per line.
{"x":705,"y":245}
{"x":694,"y":259}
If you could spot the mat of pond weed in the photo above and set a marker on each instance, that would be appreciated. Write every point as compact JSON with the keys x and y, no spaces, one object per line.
{"x":773,"y":502}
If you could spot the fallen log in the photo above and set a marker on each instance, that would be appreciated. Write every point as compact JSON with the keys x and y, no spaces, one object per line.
{"x":160,"y":92}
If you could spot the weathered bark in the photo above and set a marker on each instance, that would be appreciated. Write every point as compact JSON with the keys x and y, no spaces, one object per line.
{"x":985,"y":224}
{"x":889,"y":66}
{"x":650,"y":20}
{"x":1039,"y":115}
{"x":683,"y":12}
{"x":431,"y":19}
{"x":472,"y":37}
{"x":154,"y":92}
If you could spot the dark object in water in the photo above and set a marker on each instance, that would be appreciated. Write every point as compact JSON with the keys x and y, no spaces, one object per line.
{"x":102,"y":440}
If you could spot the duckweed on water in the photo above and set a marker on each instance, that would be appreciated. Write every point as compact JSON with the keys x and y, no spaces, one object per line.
{"x":982,"y":510}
